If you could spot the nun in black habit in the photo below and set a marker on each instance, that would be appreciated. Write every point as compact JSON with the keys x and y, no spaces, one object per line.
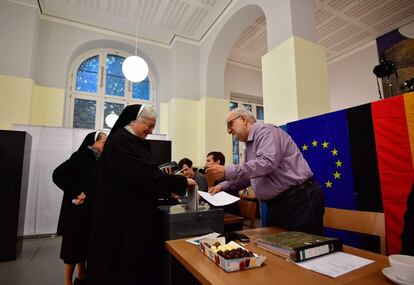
{"x":123,"y":240}
{"x":77,"y":178}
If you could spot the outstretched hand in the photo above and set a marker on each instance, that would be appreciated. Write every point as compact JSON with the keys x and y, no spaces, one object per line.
{"x":215,"y":189}
{"x":215,"y":172}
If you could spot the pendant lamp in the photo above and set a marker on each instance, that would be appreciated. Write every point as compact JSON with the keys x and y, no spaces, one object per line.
{"x":134,"y":68}
{"x":111,"y":119}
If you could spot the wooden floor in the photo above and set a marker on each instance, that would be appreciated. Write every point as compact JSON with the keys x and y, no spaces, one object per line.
{"x":38,"y":264}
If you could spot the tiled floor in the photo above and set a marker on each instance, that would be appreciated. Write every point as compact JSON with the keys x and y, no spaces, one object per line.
{"x":38,"y":263}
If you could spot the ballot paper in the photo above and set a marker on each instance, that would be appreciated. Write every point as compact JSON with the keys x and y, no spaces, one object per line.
{"x":196,"y":240}
{"x":219,"y":199}
{"x":335,"y":264}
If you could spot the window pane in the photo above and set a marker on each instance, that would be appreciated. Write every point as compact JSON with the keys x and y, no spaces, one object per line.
{"x":259,"y":113}
{"x":84,"y":114}
{"x":235,"y":151}
{"x":141,"y":90}
{"x":247,"y":107}
{"x":115,"y":80}
{"x":87,"y":75}
{"x":111,"y":108}
{"x":233,"y":105}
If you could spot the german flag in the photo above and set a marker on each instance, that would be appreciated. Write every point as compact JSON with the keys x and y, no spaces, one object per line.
{"x":363,"y":157}
{"x":394,"y":144}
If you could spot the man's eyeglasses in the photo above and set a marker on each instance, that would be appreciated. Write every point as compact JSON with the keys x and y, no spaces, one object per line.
{"x":230,"y":123}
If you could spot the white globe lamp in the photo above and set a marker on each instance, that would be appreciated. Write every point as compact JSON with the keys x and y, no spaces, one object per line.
{"x":111,"y":119}
{"x":135,"y":68}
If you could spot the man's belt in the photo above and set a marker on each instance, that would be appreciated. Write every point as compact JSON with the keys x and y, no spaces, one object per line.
{"x":290,"y":191}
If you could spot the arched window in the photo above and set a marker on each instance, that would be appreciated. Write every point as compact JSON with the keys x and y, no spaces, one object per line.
{"x":98,"y":88}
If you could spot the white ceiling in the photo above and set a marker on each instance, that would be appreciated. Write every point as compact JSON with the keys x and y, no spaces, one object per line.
{"x":341,"y":25}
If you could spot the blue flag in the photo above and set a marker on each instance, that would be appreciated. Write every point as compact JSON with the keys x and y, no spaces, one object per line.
{"x":324,"y":142}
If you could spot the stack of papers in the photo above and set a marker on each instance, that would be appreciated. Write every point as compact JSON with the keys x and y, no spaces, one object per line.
{"x":335,"y":264}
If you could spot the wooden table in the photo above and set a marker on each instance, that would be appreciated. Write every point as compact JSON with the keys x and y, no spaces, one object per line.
{"x":275,"y":270}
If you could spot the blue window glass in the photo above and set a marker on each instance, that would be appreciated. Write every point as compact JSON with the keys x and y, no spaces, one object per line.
{"x":87,"y":75}
{"x":141,"y":90}
{"x":84,"y":114}
{"x":115,"y":80}
{"x":235,"y":151}
{"x":111,"y":108}
{"x":233,"y":105}
{"x":259,"y":113}
{"x":247,"y":107}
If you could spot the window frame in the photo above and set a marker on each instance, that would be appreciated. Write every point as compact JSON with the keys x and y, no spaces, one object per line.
{"x":100,"y":97}
{"x":242,"y":145}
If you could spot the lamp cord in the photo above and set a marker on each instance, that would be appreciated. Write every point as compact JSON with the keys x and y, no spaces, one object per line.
{"x":136,"y":30}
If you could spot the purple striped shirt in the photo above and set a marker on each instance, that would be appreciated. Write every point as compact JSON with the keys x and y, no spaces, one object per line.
{"x":273,"y":163}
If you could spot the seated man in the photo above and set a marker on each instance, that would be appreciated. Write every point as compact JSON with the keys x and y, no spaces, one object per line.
{"x":216,"y":157}
{"x":186,"y":166}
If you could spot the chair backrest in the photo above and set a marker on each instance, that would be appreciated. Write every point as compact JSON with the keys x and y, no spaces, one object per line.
{"x":248,"y":210}
{"x":357,"y":221}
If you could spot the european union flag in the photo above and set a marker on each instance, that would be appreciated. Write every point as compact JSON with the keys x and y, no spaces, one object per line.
{"x":324,"y":143}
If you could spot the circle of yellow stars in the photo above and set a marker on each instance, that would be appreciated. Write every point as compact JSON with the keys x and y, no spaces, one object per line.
{"x":325,"y":145}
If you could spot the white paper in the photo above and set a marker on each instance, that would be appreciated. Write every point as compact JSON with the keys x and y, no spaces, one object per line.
{"x":219,"y":199}
{"x":335,"y":264}
{"x":196,"y":240}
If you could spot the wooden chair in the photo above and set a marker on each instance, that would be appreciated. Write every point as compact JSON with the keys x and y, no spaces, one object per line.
{"x":247,"y":211}
{"x":357,"y":221}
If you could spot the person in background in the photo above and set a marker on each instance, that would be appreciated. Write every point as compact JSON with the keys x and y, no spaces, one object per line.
{"x":125,"y":241}
{"x":77,"y":178}
{"x":186,"y":167}
{"x":218,"y":158}
{"x":407,"y":236}
{"x":277,"y":171}
{"x":215,"y":157}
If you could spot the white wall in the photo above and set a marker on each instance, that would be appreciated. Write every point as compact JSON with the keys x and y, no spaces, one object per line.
{"x":18,"y":30}
{"x":185,"y":70}
{"x":351,"y":80}
{"x":242,"y":80}
{"x":59,"y":43}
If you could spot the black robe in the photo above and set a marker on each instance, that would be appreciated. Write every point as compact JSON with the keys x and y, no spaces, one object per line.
{"x":124,"y":239}
{"x":75,"y":175}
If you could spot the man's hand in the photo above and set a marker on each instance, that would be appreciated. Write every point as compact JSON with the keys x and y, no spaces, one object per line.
{"x":215,"y":189}
{"x":215,"y":172}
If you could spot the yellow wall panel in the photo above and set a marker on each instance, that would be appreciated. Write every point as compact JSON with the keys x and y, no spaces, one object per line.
{"x":198,"y":127}
{"x":47,"y":106}
{"x":15,"y":101}
{"x":183,"y":129}
{"x":295,"y":81}
{"x":279,"y":84}
{"x":163,"y":118}
{"x":216,"y":137}
{"x":312,"y":79}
